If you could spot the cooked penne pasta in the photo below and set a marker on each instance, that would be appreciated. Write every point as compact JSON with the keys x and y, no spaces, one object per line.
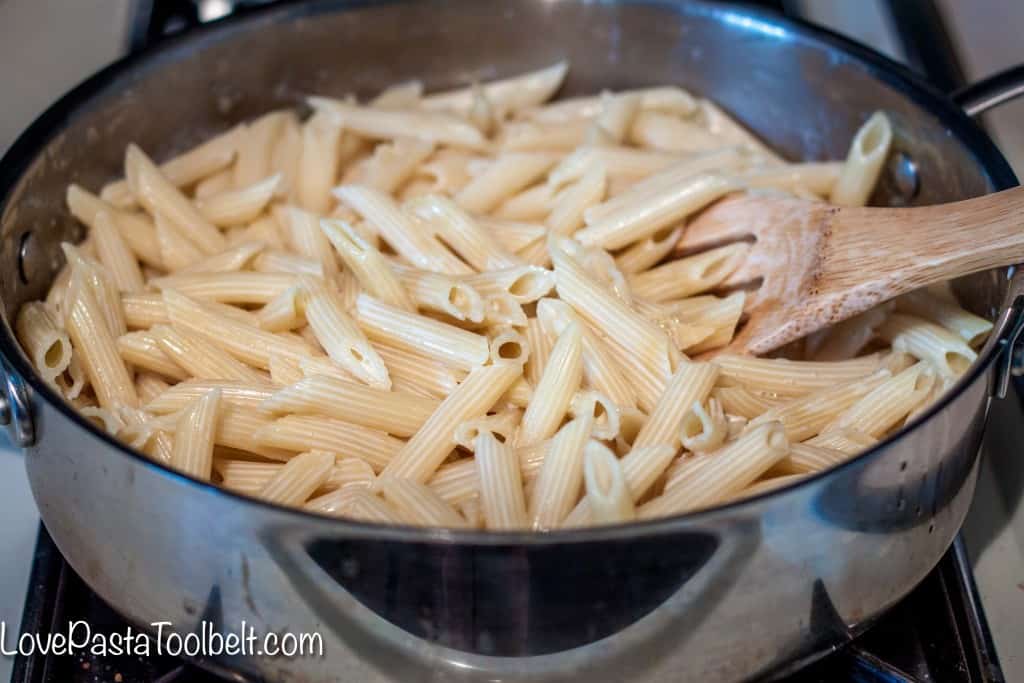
{"x":688,"y":276}
{"x":608,"y":495}
{"x":200,"y":359}
{"x":704,"y":429}
{"x":302,"y":229}
{"x":863,"y":165}
{"x":256,"y":145}
{"x":232,"y":392}
{"x":192,"y":452}
{"x":417,"y":373}
{"x":388,"y":411}
{"x":367,"y":264}
{"x":339,"y":335}
{"x":554,"y":392}
{"x":443,"y":294}
{"x":395,"y":162}
{"x":792,"y":378}
{"x":385,"y":124}
{"x":318,"y":162}
{"x":231,"y":288}
{"x":691,"y":383}
{"x":948,"y":352}
{"x":971,"y":328}
{"x":298,"y":478}
{"x":561,"y":474}
{"x":505,"y":95}
{"x":416,"y":503}
{"x":500,"y":482}
{"x":318,"y":433}
{"x":509,"y":174}
{"x":434,"y":339}
{"x":237,"y":207}
{"x":462,"y":233}
{"x":431,"y":444}
{"x":45,"y":341}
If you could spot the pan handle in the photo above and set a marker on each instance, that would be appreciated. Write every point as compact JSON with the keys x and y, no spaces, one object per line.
{"x":990,"y":92}
{"x":15,"y":407}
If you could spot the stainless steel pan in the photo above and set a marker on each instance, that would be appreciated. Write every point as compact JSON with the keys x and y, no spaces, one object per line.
{"x":752,"y":588}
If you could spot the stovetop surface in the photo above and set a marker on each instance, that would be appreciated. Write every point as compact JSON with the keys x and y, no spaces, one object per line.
{"x":937,"y":634}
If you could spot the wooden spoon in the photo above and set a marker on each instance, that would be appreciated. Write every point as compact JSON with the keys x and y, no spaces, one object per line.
{"x":820,"y":264}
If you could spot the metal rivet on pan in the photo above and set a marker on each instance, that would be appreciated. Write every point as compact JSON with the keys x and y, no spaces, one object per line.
{"x":906,"y":178}
{"x":26,"y":259}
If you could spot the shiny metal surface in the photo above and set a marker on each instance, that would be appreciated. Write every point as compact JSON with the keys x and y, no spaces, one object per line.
{"x":752,"y":588}
{"x":990,"y":92}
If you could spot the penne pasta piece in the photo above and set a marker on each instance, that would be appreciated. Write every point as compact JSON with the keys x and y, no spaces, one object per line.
{"x":691,"y":383}
{"x":599,"y":368}
{"x":506,"y":95}
{"x":460,"y":231}
{"x":232,"y":393}
{"x":318,"y":162}
{"x":669,"y":99}
{"x":201,"y":161}
{"x":509,"y":346}
{"x":192,"y":452}
{"x":229,"y":261}
{"x":722,"y":314}
{"x":446,"y":343}
{"x":719,"y":123}
{"x":397,"y":413}
{"x":136,"y":230}
{"x":948,"y":352}
{"x":431,"y":444}
{"x":176,"y":251}
{"x":418,"y":373}
{"x":519,"y":394}
{"x":417,"y":504}
{"x":646,"y":347}
{"x":384,"y":124}
{"x":339,"y":335}
{"x":337,"y":503}
{"x":817,"y":177}
{"x":500,"y":426}
{"x":456,"y":483}
{"x":406,"y":95}
{"x":502,"y":310}
{"x":648,"y":252}
{"x":561,"y":475}
{"x":302,"y":229}
{"x":704,"y":429}
{"x":618,"y":162}
{"x":721,"y":161}
{"x":93,"y":276}
{"x":805,"y":458}
{"x":691,"y":275}
{"x":553,"y":393}
{"x":513,"y":236}
{"x":245,"y":476}
{"x":142,"y":350}
{"x":882,"y":408}
{"x":285,"y":158}
{"x":770,"y":484}
{"x":403,"y":232}
{"x":219,"y":182}
{"x":256,"y":145}
{"x":724,"y":473}
{"x":532,"y":136}
{"x":114,"y":254}
{"x":923,"y":304}
{"x":443,"y":294}
{"x":669,"y":133}
{"x":298,"y":478}
{"x":638,"y":220}
{"x":533,"y":204}
{"x":148,"y":386}
{"x":792,"y":378}
{"x":500,"y":483}
{"x":370,"y":508}
{"x":808,"y":415}
{"x":863,"y":165}
{"x":244,"y":287}
{"x":200,"y":359}
{"x":318,"y":433}
{"x":272,"y":261}
{"x":237,"y":207}
{"x":284,"y":371}
{"x":393,"y":163}
{"x":45,"y":341}
{"x":608,"y":496}
{"x":567,"y":211}
{"x":602,"y":410}
{"x":539,"y":344}
{"x":247,"y":343}
{"x":160,"y":197}
{"x":283,"y":312}
{"x":744,"y":403}
{"x":509,"y":174}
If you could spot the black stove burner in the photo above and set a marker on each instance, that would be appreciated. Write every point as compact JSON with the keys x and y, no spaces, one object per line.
{"x":937,"y":634}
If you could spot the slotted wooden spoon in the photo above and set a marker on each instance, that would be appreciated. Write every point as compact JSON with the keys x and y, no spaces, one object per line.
{"x":820,"y":264}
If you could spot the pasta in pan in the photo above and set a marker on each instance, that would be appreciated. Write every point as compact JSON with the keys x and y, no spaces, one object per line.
{"x":466,"y":309}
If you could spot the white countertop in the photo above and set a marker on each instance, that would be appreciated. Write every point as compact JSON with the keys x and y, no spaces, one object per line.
{"x":90,"y":33}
